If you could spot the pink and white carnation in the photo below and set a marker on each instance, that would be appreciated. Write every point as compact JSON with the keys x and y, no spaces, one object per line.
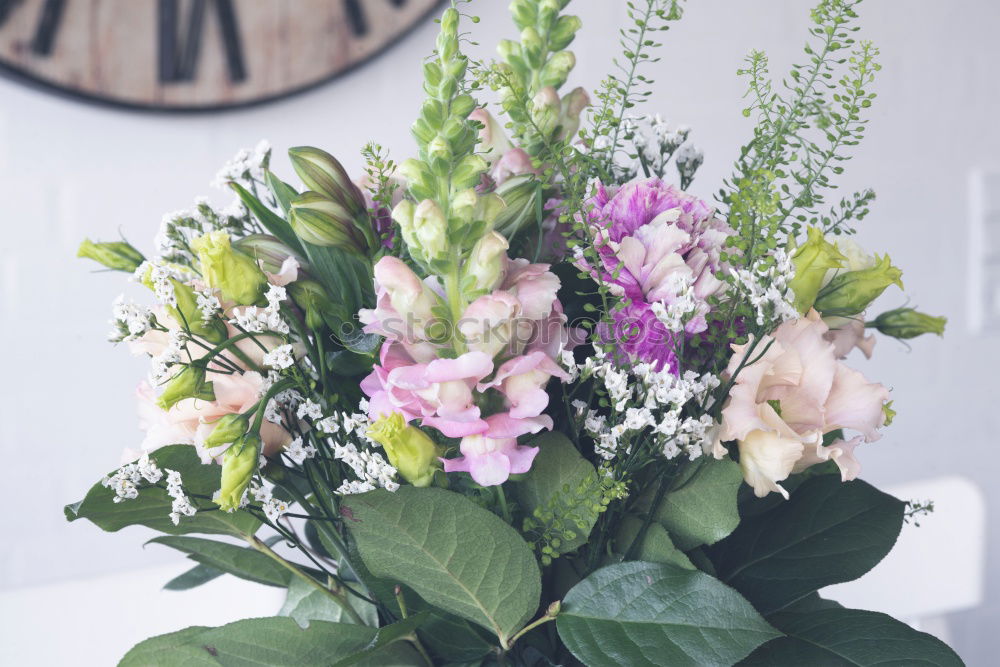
{"x":660,"y":250}
{"x":511,"y":337}
{"x":782,"y":405}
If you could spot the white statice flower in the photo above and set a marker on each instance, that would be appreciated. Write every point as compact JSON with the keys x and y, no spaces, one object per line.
{"x":280,"y":357}
{"x":274,"y":509}
{"x":286,"y":400}
{"x":329,"y":425}
{"x":124,"y":482}
{"x":234,"y":209}
{"x":130,"y":317}
{"x":371,"y":469}
{"x":208,"y":304}
{"x":244,"y":167}
{"x":275,"y":295}
{"x":299,"y":452}
{"x":259,"y":320}
{"x":684,"y":305}
{"x":311,"y":409}
{"x":172,"y":353}
{"x":181,"y":506}
{"x":148,"y":469}
{"x":689,"y":158}
{"x":765,"y":286}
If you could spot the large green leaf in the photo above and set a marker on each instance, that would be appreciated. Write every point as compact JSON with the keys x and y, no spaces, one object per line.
{"x":201,"y":574}
{"x":244,"y":563}
{"x":274,"y":642}
{"x":153,"y":506}
{"x":386,"y":635}
{"x":656,"y":545}
{"x":451,"y":552}
{"x":641,"y":614}
{"x":560,"y":485}
{"x":703,"y":509}
{"x":306,"y":603}
{"x":851,"y":638}
{"x":827,"y":533}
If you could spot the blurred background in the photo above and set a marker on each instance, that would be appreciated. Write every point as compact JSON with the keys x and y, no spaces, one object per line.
{"x":70,"y":169}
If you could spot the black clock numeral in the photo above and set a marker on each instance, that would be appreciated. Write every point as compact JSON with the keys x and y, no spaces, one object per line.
{"x":48,"y":23}
{"x":356,"y":15}
{"x":179,"y":51}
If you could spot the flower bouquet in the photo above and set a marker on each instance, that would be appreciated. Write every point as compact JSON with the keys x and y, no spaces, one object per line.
{"x":522,"y":399}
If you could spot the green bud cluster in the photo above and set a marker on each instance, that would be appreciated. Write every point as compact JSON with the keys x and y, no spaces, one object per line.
{"x":446,"y":216}
{"x":533,"y":70}
{"x":332,"y":212}
{"x":568,"y":515}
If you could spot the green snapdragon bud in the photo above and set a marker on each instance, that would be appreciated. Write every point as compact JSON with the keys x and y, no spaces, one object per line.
{"x":231,"y":272}
{"x":189,"y":315}
{"x":572,"y":105}
{"x":322,"y":173}
{"x":430,"y":230}
{"x":564,"y":32}
{"x":228,"y":429}
{"x":238,"y":466}
{"x":188,"y":383}
{"x":812,"y":260}
{"x":545,"y":108}
{"x":116,"y":255}
{"x":557,"y":69}
{"x":321,"y":221}
{"x":486,"y":262}
{"x":409,"y":449}
{"x":851,"y":292}
{"x":908,"y":323}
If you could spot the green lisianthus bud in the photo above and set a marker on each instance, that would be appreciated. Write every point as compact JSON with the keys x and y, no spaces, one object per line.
{"x":812,"y":260}
{"x":409,"y":449}
{"x":231,"y":272}
{"x":851,"y":292}
{"x":520,"y":196}
{"x":321,"y":221}
{"x":908,"y":323}
{"x":116,"y":255}
{"x":238,"y":466}
{"x":486,"y":262}
{"x":557,"y":70}
{"x":189,"y":315}
{"x":188,"y":383}
{"x":322,"y":173}
{"x":267,"y":250}
{"x":228,"y":428}
{"x":319,"y":309}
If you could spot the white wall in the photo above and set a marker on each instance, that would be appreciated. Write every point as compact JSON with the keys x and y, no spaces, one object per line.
{"x":69,"y":170}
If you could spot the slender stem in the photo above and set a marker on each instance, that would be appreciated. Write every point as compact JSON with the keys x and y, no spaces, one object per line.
{"x":502,"y":498}
{"x":550,"y":615}
{"x":336,"y":596}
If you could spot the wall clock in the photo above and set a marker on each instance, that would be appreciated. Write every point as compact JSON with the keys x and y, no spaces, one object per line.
{"x":195,"y":54}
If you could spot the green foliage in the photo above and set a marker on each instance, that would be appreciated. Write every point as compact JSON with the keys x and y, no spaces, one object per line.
{"x":451,"y":552}
{"x":629,"y":86}
{"x":803,"y":133}
{"x":702,"y":508}
{"x":655,"y":547}
{"x":236,"y":560}
{"x":273,"y":641}
{"x":561,"y":497}
{"x":655,"y":614}
{"x":838,"y":636}
{"x":779,"y":556}
{"x":152,"y":507}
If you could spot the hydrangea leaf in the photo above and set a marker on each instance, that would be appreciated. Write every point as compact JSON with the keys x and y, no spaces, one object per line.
{"x":451,"y":552}
{"x":838,"y":636}
{"x":153,"y":505}
{"x":306,"y":603}
{"x":244,"y":563}
{"x":829,"y":532}
{"x":703,"y":508}
{"x":643,"y":614}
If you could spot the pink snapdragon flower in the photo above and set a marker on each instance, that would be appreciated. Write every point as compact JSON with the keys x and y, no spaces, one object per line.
{"x":509,"y":337}
{"x":659,"y":248}
{"x":783,"y":404}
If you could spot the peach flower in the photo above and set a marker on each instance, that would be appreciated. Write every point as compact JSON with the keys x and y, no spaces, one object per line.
{"x":783,"y":404}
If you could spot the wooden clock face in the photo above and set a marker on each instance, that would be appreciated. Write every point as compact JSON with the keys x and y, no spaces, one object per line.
{"x":196,"y":54}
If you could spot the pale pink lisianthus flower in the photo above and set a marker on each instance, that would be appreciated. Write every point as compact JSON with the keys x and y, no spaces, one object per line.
{"x":847,"y":333}
{"x":783,"y":404}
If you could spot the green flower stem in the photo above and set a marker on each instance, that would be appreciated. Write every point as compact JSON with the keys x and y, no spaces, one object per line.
{"x":550,"y":615}
{"x":335,"y":595}
{"x":275,"y":389}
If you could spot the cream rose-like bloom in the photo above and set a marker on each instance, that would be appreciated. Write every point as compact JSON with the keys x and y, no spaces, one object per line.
{"x":783,"y":404}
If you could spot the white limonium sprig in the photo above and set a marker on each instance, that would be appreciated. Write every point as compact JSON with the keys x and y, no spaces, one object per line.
{"x":130,"y":320}
{"x":259,"y":320}
{"x":245,"y":167}
{"x":209,"y":305}
{"x":765,"y":286}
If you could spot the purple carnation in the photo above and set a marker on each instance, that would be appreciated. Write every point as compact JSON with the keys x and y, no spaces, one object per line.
{"x":660,"y":249}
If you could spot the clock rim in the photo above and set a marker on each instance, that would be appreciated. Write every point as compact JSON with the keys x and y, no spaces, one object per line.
{"x":24,"y":77}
